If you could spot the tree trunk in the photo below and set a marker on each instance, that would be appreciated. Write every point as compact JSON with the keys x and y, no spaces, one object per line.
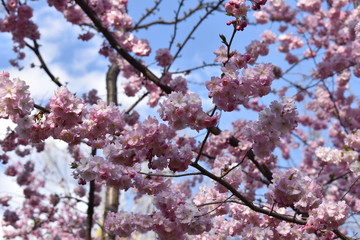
{"x":112,"y":194}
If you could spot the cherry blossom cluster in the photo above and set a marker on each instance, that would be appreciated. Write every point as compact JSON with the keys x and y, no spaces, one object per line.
{"x":276,"y":9}
{"x":255,"y":49}
{"x":276,"y":121}
{"x":309,"y":6}
{"x":163,"y":57}
{"x":40,"y":216}
{"x":15,"y":98}
{"x":182,"y":110}
{"x":147,"y":141}
{"x":102,"y":119}
{"x":336,"y":156}
{"x":239,"y":9}
{"x":312,"y":196}
{"x":231,"y":90}
{"x":236,"y":8}
{"x":102,"y":170}
{"x":242,"y":158}
{"x":329,"y":215}
{"x":18,"y":22}
{"x":71,"y":120}
{"x":353,"y":140}
{"x":175,"y":218}
{"x":287,"y":187}
{"x":66,"y":109}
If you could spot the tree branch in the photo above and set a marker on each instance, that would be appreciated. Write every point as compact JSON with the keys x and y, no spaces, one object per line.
{"x":43,"y":65}
{"x":116,"y":46}
{"x":208,"y":12}
{"x":247,"y":202}
{"x":90,"y":209}
{"x":147,"y":14}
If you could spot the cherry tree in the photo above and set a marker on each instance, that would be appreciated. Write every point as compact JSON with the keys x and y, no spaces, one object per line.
{"x":204,"y":181}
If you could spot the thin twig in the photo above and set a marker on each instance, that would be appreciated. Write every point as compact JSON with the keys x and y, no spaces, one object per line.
{"x":227,"y":172}
{"x":204,"y":141}
{"x":214,"y":209}
{"x":188,"y":71}
{"x":164,"y":22}
{"x":176,"y":21}
{"x":189,"y":36}
{"x":147,"y":14}
{"x":342,"y":198}
{"x":247,"y":202}
{"x":43,"y":65}
{"x":137,"y":102}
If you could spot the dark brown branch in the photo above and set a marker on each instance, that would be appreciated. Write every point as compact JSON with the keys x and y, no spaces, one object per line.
{"x":342,"y":236}
{"x":137,"y":102}
{"x":42,"y":109}
{"x":116,"y":46}
{"x":74,"y":198}
{"x":4,"y":5}
{"x":245,"y":200}
{"x":333,"y":179}
{"x":90,"y":209}
{"x":43,"y":65}
{"x":337,"y":112}
{"x":228,"y":171}
{"x":214,"y":209}
{"x":205,"y":139}
{"x":265,"y":171}
{"x":202,"y":146}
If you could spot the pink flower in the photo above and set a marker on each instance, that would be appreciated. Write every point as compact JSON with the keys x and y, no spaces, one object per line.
{"x":221,"y":54}
{"x":236,"y":8}
{"x":141,"y":47}
{"x":182,"y":110}
{"x":163,"y":57}
{"x":15,"y":98}
{"x":66,"y":109}
{"x":329,"y":215}
{"x":287,"y":187}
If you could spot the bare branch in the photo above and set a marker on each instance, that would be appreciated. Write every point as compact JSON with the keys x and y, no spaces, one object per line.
{"x":137,"y":102}
{"x":247,"y":202}
{"x":147,"y":14}
{"x":189,"y":36}
{"x":176,"y":21}
{"x":43,"y":65}
{"x":171,"y":22}
{"x":189,"y":70}
{"x":116,"y":46}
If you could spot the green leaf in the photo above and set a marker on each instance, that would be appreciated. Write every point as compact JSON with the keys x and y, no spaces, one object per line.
{"x":73,"y":165}
{"x":346,"y":148}
{"x":223,"y":38}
